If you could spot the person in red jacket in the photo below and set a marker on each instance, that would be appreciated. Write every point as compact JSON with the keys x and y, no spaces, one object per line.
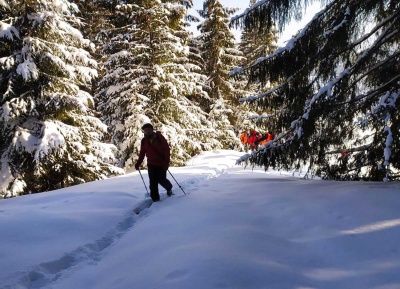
{"x":155,"y":147}
{"x":252,"y":139}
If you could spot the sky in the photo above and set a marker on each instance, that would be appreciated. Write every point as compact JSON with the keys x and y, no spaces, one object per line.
{"x":290,"y":30}
{"x":234,"y":227}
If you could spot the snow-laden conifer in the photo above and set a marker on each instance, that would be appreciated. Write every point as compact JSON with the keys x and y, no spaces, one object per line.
{"x":254,"y":43}
{"x":95,"y":16}
{"x":339,"y":86}
{"x":220,"y":53}
{"x":50,"y":136}
{"x":149,"y":79}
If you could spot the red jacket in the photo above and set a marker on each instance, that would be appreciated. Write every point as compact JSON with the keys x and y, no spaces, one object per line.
{"x":156,"y":150}
{"x":253,"y":137}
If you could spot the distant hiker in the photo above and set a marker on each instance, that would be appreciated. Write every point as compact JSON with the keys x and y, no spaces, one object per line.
{"x":156,"y":148}
{"x":345,"y":152}
{"x":244,"y":138}
{"x":266,"y":137}
{"x":271,"y":136}
{"x":344,"y":155}
{"x":262,"y":140}
{"x":253,"y":138}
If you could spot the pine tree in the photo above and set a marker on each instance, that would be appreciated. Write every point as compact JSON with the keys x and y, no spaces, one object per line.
{"x":197,"y":65}
{"x":188,"y":17}
{"x":95,"y":16}
{"x":149,"y":79}
{"x":50,"y":137}
{"x":218,"y":49}
{"x":339,"y":86}
{"x":254,"y":44}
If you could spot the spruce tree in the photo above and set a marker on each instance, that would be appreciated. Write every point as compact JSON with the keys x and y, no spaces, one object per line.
{"x":339,"y":87}
{"x":149,"y":79}
{"x":95,"y":16}
{"x":197,"y":64}
{"x":254,"y":44}
{"x":219,"y":50}
{"x":50,"y":136}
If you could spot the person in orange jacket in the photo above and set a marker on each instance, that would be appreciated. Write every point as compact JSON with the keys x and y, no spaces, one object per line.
{"x":266,"y":137}
{"x":263,"y":139}
{"x":244,"y":138}
{"x":155,"y":147}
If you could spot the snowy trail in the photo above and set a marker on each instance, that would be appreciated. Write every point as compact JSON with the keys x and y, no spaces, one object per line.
{"x":235,"y":228}
{"x":44,"y":274}
{"x":292,"y":239}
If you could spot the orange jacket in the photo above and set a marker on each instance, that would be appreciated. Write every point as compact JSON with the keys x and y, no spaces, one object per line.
{"x":244,"y":137}
{"x":265,"y":138}
{"x":263,"y":141}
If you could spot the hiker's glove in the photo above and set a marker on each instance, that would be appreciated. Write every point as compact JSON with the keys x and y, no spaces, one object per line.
{"x":165,"y":166}
{"x":137,"y":166}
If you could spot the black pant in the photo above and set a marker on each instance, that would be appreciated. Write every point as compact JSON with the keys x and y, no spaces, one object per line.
{"x":157,"y":175}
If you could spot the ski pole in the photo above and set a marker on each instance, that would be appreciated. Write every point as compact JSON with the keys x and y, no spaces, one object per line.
{"x":177,"y":182}
{"x":143,"y":182}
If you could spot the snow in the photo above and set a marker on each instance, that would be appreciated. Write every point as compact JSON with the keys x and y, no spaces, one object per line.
{"x":5,"y":175}
{"x":8,"y":31}
{"x":4,"y":4}
{"x":235,"y":228}
{"x":340,"y":25}
{"x":28,"y":70}
{"x":50,"y":138}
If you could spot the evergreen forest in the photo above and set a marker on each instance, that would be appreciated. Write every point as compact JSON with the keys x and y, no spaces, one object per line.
{"x":79,"y":78}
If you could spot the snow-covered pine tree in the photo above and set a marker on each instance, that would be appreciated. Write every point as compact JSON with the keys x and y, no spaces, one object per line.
{"x":254,"y":43}
{"x":121,"y":102}
{"x":149,"y":79}
{"x":339,"y":86}
{"x":219,"y":51}
{"x":50,"y":137}
{"x":197,"y":64}
{"x":189,"y":17}
{"x":95,"y":15}
{"x":182,"y":121}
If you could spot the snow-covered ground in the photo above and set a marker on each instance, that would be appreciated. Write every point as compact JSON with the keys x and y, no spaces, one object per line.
{"x":235,"y":228}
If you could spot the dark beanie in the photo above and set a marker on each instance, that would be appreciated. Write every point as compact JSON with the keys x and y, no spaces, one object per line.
{"x":147,"y":125}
